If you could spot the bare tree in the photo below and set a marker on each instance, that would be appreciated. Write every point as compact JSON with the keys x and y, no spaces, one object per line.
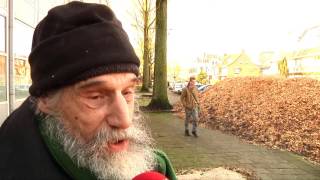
{"x":145,"y":18}
{"x":105,"y":2}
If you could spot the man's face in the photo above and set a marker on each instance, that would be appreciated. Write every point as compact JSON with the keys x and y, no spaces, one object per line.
{"x":98,"y":127}
{"x":106,"y":100}
{"x":192,"y":83}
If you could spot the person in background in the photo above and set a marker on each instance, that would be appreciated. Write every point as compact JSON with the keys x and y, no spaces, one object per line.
{"x":80,"y":121}
{"x":190,"y":101}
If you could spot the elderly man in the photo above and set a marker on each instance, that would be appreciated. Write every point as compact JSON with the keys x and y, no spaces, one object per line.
{"x":80,"y":121}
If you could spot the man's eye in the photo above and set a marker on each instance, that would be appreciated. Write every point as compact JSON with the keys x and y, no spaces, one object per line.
{"x":95,"y":101}
{"x":95,"y":97}
{"x":128,"y":95}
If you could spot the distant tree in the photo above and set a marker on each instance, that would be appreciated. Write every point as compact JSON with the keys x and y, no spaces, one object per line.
{"x":283,"y":67}
{"x":106,"y":2}
{"x":176,"y":72}
{"x":192,"y":70}
{"x":145,"y":24}
{"x":159,"y":96}
{"x":202,"y":77}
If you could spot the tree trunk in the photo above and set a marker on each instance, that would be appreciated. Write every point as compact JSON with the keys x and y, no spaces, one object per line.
{"x":150,"y":77}
{"x":146,"y":52}
{"x":159,"y":99}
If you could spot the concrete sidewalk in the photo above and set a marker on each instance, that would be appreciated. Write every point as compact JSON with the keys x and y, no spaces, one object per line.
{"x":214,"y":149}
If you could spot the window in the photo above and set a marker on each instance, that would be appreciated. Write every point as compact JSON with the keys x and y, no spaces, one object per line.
{"x":224,"y":71}
{"x":22,"y":38}
{"x":3,"y":89}
{"x":3,"y":4}
{"x":25,"y":11}
{"x":2,"y":34}
{"x":237,"y":70}
{"x":22,"y":78}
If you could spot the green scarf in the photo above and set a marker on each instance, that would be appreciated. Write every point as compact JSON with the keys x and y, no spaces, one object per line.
{"x":56,"y":150}
{"x":164,"y":165}
{"x":75,"y":172}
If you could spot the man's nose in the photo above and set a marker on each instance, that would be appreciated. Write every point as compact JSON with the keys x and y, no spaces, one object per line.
{"x":119,"y":117}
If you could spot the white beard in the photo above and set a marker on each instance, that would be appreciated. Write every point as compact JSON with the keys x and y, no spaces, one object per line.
{"x":92,"y":155}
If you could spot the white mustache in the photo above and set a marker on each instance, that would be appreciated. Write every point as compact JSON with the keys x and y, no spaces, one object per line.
{"x":109,"y":135}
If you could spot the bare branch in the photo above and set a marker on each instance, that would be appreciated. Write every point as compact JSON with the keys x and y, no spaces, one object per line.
{"x":140,"y":3}
{"x":139,"y":23}
{"x":151,"y":23}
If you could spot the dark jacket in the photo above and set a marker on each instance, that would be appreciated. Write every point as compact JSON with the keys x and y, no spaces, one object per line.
{"x":23,"y":154}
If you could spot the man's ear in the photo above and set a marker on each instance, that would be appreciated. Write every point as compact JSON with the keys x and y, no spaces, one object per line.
{"x":43,"y":105}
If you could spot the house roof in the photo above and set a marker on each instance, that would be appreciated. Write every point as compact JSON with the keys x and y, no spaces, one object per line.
{"x":304,"y":53}
{"x":232,"y":58}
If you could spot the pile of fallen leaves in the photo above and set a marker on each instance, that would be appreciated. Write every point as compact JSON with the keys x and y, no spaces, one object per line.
{"x":280,"y":113}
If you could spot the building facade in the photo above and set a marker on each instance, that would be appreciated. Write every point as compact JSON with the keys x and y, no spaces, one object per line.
{"x":238,"y":65}
{"x":18,"y":20}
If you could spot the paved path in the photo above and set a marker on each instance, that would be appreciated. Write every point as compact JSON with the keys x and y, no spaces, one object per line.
{"x":214,"y":149}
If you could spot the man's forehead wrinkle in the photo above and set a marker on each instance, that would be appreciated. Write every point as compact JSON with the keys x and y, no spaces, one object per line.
{"x":91,"y":83}
{"x":98,"y":82}
{"x":134,"y":80}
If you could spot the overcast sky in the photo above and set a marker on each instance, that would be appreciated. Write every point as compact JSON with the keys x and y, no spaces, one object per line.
{"x":227,"y":26}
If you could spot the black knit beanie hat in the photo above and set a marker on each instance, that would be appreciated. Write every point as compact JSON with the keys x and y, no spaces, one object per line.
{"x":75,"y":42}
